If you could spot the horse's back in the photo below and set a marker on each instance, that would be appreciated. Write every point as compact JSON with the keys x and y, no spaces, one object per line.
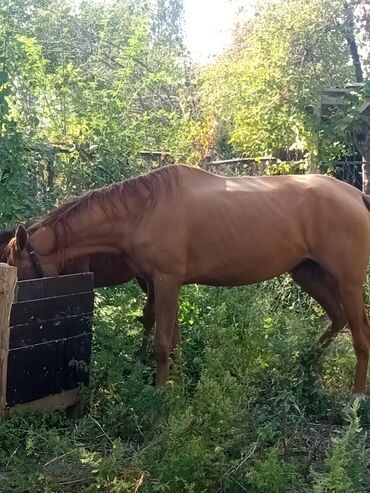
{"x":199,"y":180}
{"x":250,"y":229}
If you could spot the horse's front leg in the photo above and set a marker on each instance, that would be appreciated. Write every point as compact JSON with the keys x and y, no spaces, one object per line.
{"x":166,"y":290}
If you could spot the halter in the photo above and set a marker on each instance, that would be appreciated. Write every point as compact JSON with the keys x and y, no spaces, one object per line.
{"x":35,"y":260}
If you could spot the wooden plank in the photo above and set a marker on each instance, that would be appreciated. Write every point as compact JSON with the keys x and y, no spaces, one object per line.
{"x":55,"y":401}
{"x":49,"y":308}
{"x":328,"y":100}
{"x":43,"y":369}
{"x":38,"y":332}
{"x":35,"y":372}
{"x":49,"y":330}
{"x":8,"y":279}
{"x":346,"y":163}
{"x":50,"y":287}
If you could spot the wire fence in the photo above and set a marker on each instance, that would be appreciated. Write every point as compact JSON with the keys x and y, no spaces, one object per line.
{"x":348,"y":171}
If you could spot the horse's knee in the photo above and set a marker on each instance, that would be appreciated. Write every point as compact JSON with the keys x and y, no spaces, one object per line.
{"x":361,"y":345}
{"x":366,"y":332}
{"x":162,"y":351}
{"x":162,"y":357}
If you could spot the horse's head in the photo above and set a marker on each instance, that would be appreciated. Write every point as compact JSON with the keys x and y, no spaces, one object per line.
{"x":20,"y":253}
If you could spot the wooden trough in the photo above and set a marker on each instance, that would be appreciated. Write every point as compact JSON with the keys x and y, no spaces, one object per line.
{"x":45,"y":340}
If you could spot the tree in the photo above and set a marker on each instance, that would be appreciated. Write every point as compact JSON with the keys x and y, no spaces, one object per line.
{"x":92,"y":86}
{"x":276,"y":71}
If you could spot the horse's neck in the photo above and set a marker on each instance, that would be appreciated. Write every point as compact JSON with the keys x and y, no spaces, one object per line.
{"x":86,"y":234}
{"x":43,"y":240}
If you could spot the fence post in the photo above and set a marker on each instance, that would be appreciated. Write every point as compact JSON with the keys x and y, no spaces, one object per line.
{"x":8,"y":279}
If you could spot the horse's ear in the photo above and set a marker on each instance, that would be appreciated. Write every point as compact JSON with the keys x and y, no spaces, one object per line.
{"x":21,"y":238}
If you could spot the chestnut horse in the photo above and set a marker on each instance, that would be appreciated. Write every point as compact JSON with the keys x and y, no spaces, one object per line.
{"x":179,"y":225}
{"x":109,"y":270}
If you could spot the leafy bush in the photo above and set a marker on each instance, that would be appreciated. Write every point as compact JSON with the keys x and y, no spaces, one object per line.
{"x":348,"y":460}
{"x":241,"y":419}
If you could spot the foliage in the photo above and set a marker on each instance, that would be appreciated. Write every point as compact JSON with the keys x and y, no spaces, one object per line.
{"x":346,"y":127}
{"x":241,"y":419}
{"x":348,"y":460}
{"x":274,"y":75}
{"x":84,"y":88}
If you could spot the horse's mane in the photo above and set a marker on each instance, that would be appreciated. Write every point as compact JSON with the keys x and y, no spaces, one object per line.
{"x":109,"y":199}
{"x":6,"y":235}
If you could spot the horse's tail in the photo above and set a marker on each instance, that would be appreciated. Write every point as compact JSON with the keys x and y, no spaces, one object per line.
{"x":366,"y":201}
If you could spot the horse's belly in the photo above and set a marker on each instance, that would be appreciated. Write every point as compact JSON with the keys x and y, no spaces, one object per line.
{"x":239,"y":274}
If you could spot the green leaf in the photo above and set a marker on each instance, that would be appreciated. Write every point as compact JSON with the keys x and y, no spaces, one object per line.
{"x":4,"y":76}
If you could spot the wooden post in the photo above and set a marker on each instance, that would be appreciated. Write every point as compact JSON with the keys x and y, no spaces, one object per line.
{"x":313,"y":157}
{"x":365,"y":177}
{"x":363,"y":145}
{"x":8,"y":279}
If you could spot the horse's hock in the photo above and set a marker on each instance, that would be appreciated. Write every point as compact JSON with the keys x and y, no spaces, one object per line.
{"x":45,"y":340}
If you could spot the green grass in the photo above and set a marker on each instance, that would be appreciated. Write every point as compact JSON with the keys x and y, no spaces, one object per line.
{"x":255,"y":410}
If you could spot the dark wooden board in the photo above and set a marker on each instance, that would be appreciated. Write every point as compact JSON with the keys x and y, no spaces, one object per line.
{"x":45,"y":309}
{"x":49,"y":287}
{"x":50,"y":338}
{"x":49,"y":330}
{"x":44,"y":369}
{"x":78,"y":352}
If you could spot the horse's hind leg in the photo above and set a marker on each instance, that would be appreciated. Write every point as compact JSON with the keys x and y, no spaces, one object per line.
{"x":354,"y":308}
{"x":317,"y":284}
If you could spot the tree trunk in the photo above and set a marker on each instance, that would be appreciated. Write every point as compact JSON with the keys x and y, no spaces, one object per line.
{"x":352,"y":44}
